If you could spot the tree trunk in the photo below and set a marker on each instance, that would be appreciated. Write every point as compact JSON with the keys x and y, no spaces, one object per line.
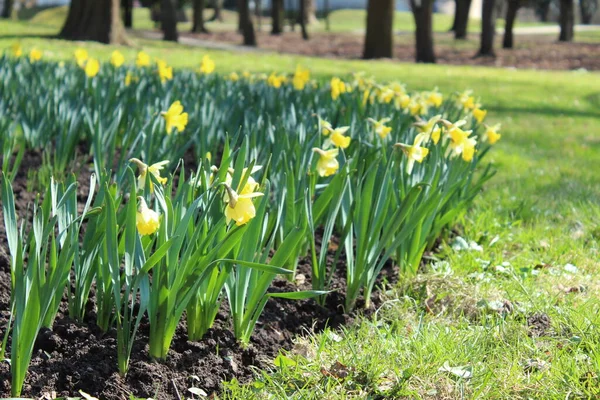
{"x":423,"y":15}
{"x":511,"y":16}
{"x":566,"y":19}
{"x":97,"y":20}
{"x":379,"y":39}
{"x":488,"y":28}
{"x":198,"y":25}
{"x":7,"y":9}
{"x":587,"y":9}
{"x":326,"y":14}
{"x":310,"y":12}
{"x":303,"y":20}
{"x":453,"y":27}
{"x":461,"y":19}
{"x":277,"y":15}
{"x":128,"y":13}
{"x":246,"y":23}
{"x":168,"y":20}
{"x":543,"y":11}
{"x":217,"y":14}
{"x":258,"y":13}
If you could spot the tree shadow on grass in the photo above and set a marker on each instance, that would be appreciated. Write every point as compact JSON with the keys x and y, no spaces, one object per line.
{"x":29,"y":36}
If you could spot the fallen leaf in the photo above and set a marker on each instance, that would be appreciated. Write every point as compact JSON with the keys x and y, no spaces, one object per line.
{"x":462,"y":371}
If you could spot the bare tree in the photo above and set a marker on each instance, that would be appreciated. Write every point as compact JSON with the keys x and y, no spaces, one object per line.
{"x":566,"y":20}
{"x":379,"y":39}
{"x":423,"y":14}
{"x":7,"y":9}
{"x":168,"y":20}
{"x":97,"y":20}
{"x":511,"y":15}
{"x":488,"y":28}
{"x":302,"y":19}
{"x":461,"y":18}
{"x":246,"y":24}
{"x":217,"y":14}
{"x":127,"y":13}
{"x":277,"y":16}
{"x":198,"y":25}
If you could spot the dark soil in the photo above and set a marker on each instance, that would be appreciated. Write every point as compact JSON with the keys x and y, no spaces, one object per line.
{"x":531,"y":51}
{"x":539,"y":325}
{"x":79,"y":356}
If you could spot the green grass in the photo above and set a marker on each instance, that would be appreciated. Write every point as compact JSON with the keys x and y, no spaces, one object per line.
{"x":539,"y":214}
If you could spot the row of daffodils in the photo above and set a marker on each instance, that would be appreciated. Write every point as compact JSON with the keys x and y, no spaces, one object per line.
{"x":275,"y":165}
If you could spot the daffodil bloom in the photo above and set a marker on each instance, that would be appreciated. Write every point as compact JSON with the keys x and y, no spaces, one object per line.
{"x":35,"y":55}
{"x":81,"y":56}
{"x":250,"y":186}
{"x":164,"y":71}
{"x":491,"y":133}
{"x":428,"y":130}
{"x":16,"y":49}
{"x":146,"y":220}
{"x":207,"y":65}
{"x":466,"y":100}
{"x":240,"y":207}
{"x":234,"y":76}
{"x":175,"y":117}
{"x":460,"y":142}
{"x":325,"y":127}
{"x":117,"y":59}
{"x":142,"y":60}
{"x":154,"y":169}
{"x":275,"y":80}
{"x":301,"y":78}
{"x":417,"y":107}
{"x":337,"y":87}
{"x":413,"y":153}
{"x":433,"y":98}
{"x":338,"y":139}
{"x":479,"y":114}
{"x":380,"y":128}
{"x":366,"y":96}
{"x":92,"y":67}
{"x":328,"y":163}
{"x":402,"y":101}
{"x":246,"y":74}
{"x":385,"y":95}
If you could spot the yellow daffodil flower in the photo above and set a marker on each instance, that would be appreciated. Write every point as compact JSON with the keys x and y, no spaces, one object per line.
{"x":129,"y":77}
{"x":234,"y":77}
{"x":325,"y":127}
{"x":154,"y":169}
{"x":146,"y":220}
{"x":380,"y":128}
{"x":337,"y":88}
{"x":366,"y":97}
{"x":491,"y":134}
{"x":16,"y":49}
{"x":246,"y":74}
{"x":433,"y":98}
{"x":240,"y":207}
{"x":35,"y":55}
{"x":81,"y":56}
{"x":275,"y":80}
{"x":142,"y":60}
{"x":164,"y":71}
{"x":337,"y":137}
{"x":466,"y":100}
{"x":250,"y":186}
{"x":328,"y":163}
{"x":402,"y":101}
{"x":460,"y":142}
{"x":117,"y":59}
{"x":301,"y":78}
{"x":479,"y":114}
{"x":428,"y":130}
{"x":207,"y":65}
{"x":413,"y":153}
{"x":92,"y":67}
{"x":175,"y":117}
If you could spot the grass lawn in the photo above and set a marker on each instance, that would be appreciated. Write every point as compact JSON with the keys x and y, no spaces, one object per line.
{"x":517,"y":318}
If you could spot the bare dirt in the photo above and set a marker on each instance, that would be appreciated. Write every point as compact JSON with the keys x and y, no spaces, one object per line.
{"x":531,"y":51}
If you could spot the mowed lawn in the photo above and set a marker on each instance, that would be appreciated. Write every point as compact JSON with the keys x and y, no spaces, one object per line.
{"x":510,"y":310}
